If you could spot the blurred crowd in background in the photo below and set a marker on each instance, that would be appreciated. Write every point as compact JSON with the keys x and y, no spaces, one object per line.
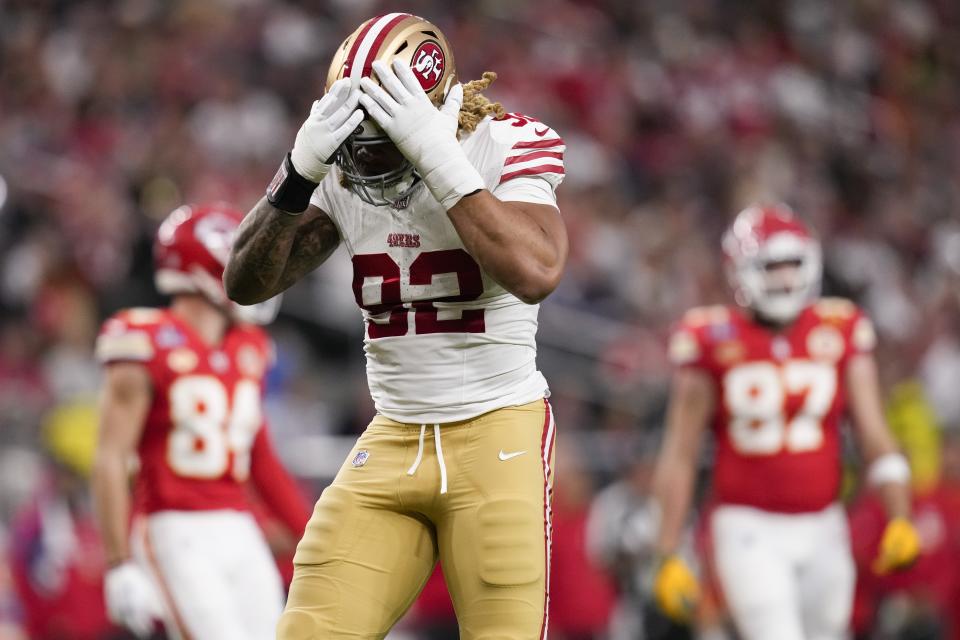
{"x":676,"y":114}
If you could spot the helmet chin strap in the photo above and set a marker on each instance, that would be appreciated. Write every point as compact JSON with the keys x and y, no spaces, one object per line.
{"x":201,"y":283}
{"x":767,"y":321}
{"x":207,"y":285}
{"x":261,"y":313}
{"x":765,"y":313}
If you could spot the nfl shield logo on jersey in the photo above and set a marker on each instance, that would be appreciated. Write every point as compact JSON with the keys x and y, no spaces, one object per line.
{"x":170,"y":337}
{"x":361,"y":458}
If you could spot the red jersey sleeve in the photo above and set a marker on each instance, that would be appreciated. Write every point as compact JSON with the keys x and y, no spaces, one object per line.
{"x":862,"y":337}
{"x":690,"y":341}
{"x":128,"y":337}
{"x":853,"y":324}
{"x":141,"y":336}
{"x":276,"y":486}
{"x":685,"y":348}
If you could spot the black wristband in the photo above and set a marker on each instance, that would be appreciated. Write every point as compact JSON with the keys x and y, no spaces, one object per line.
{"x":289,"y":191}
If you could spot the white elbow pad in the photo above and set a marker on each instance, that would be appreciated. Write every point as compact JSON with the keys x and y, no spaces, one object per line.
{"x":890,"y":467}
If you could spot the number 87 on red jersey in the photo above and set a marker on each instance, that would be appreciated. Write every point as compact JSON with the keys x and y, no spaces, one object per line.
{"x":780,"y":399}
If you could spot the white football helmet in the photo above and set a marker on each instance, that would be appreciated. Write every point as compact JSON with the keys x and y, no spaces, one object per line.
{"x":773,"y":262}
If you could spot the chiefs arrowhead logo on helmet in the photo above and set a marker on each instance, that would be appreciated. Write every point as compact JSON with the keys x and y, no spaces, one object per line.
{"x":190,"y":253}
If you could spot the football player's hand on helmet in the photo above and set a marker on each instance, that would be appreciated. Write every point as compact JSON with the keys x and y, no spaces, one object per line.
{"x":426,"y":135}
{"x":132,"y":599}
{"x":899,"y":547}
{"x":675,"y":589}
{"x":332,"y":119}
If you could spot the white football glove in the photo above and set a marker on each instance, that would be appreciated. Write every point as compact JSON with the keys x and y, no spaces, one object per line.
{"x":427,"y":136}
{"x":332,"y":119}
{"x":133,"y":600}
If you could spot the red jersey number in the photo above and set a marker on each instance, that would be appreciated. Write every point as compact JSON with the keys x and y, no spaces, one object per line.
{"x":755,"y":395}
{"x":211,"y":434}
{"x":423,"y":272}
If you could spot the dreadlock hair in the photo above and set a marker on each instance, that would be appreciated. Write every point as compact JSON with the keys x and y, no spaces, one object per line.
{"x":477,"y":106}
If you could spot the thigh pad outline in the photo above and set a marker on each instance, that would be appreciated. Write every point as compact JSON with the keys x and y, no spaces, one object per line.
{"x":510,"y":542}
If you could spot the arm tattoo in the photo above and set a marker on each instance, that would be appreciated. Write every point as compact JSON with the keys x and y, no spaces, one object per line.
{"x":316,"y":239}
{"x":273,"y":250}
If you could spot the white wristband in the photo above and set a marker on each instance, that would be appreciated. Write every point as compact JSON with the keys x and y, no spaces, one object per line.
{"x":890,"y":467}
{"x":448,"y":173}
{"x":307,"y":165}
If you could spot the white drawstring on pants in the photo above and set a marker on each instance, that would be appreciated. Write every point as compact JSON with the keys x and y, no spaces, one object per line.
{"x":443,"y":467}
{"x":416,"y":461}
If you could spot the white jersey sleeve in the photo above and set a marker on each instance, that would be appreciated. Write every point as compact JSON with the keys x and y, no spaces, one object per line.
{"x":520,"y":158}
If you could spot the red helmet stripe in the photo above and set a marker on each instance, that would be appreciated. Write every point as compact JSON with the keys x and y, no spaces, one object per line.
{"x":348,"y":63}
{"x":367,"y":66}
{"x":369,"y":42}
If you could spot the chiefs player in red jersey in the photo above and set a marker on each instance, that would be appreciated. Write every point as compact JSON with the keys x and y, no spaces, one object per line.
{"x":774,"y":377}
{"x":182,"y":393}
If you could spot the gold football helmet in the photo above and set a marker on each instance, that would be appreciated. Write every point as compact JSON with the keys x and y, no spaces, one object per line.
{"x":370,"y":165}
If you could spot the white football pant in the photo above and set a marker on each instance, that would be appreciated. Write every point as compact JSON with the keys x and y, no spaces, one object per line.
{"x":216,"y":571}
{"x":785,"y":576}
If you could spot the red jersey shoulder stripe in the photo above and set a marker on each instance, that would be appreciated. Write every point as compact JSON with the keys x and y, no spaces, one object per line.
{"x":532,"y":171}
{"x":534,"y":155}
{"x":539,"y":144}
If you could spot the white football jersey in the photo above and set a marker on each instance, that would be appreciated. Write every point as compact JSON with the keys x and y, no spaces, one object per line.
{"x":443,"y":341}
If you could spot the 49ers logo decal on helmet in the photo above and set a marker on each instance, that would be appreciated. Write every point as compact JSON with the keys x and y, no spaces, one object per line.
{"x":427,"y":64}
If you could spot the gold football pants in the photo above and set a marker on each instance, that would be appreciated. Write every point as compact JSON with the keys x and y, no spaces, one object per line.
{"x":473,"y":494}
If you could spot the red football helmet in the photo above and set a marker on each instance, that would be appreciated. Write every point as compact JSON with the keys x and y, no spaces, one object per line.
{"x":773,"y":262}
{"x":190,"y":253}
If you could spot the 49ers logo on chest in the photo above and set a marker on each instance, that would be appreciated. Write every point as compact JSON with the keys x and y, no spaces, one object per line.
{"x":427,"y":64}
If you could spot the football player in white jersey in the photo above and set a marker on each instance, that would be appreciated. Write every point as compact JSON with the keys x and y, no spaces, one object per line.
{"x":447,"y":207}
